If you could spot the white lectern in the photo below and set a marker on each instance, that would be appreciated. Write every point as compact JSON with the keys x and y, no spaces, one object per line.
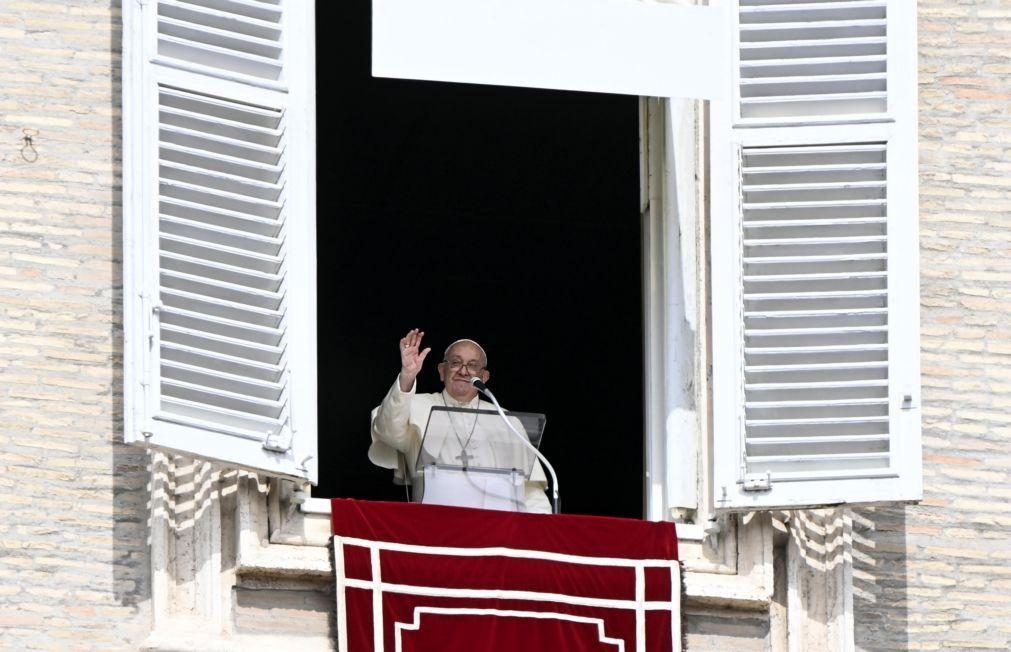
{"x":469,"y":458}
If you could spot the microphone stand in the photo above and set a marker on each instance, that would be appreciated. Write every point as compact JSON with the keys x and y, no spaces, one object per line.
{"x":556,"y":505}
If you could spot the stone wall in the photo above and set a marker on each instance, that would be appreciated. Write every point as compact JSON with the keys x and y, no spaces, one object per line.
{"x":73,"y":503}
{"x":937,"y":575}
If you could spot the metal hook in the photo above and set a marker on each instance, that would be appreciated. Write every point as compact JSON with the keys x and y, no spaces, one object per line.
{"x":28,"y":151}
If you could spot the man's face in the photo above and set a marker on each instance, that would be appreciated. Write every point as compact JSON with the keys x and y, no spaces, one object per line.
{"x":463,"y":362}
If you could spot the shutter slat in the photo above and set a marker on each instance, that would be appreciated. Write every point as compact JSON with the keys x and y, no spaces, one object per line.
{"x":786,"y":64}
{"x":765,"y":448}
{"x":802,"y":43}
{"x":219,"y":199}
{"x":237,"y":60}
{"x":267,"y":389}
{"x":239,"y":423}
{"x":769,"y":206}
{"x":829,"y":80}
{"x":221,"y":182}
{"x":208,"y":287}
{"x":827,"y":258}
{"x":810,"y":25}
{"x":824,"y":43}
{"x":839,"y":185}
{"x":229,"y":14}
{"x":219,"y":398}
{"x":222,"y":253}
{"x":239,"y":239}
{"x":817,"y":312}
{"x":222,"y":124}
{"x":811,"y":366}
{"x":188,"y":30}
{"x":205,"y":159}
{"x":773,"y":350}
{"x":798,"y":464}
{"x":267,"y":10}
{"x":222,"y":344}
{"x":210,"y":324}
{"x":812,"y":421}
{"x":175,"y":207}
{"x":759,"y":387}
{"x":813,"y":169}
{"x":825,"y":403}
{"x":202,"y":358}
{"x":773,"y":242}
{"x":224,"y":273}
{"x":821,"y":99}
{"x":209,"y":109}
{"x":776,"y":278}
{"x":829,"y":221}
{"x":227,"y":273}
{"x":197,"y":376}
{"x":826,"y":155}
{"x":776,"y":332}
{"x":776,"y":7}
{"x":220,"y":141}
{"x":222,"y":308}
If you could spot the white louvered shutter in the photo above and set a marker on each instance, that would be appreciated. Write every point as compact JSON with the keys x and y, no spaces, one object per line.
{"x":814,"y":257}
{"x":219,"y":244}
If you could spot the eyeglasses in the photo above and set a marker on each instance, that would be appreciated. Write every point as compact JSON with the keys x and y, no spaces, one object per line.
{"x":472,"y":366}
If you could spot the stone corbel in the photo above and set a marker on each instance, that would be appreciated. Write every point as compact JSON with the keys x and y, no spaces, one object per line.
{"x":819,"y":580}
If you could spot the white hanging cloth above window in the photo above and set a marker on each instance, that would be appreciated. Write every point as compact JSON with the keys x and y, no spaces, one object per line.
{"x":627,"y":47}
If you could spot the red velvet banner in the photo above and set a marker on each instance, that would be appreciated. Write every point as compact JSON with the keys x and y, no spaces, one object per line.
{"x":426,"y":577}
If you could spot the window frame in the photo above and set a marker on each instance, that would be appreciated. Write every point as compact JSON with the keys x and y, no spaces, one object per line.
{"x":674,"y":152}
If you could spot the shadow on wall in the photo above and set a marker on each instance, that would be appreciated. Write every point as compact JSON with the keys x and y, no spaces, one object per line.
{"x":130,"y":475}
{"x":880,"y":584}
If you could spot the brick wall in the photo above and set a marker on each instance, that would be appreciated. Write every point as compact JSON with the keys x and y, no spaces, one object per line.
{"x":73,"y":561}
{"x":938,"y":575}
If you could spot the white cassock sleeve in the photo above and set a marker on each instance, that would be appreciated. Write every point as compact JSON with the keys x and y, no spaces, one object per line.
{"x":393,"y":437}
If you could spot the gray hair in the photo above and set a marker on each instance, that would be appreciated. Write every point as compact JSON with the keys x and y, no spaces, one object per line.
{"x":484,"y":356}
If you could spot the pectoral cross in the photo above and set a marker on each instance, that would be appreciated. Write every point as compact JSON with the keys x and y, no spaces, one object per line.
{"x":464,"y":457}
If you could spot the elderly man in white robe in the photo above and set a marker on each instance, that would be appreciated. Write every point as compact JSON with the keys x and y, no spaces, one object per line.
{"x":399,"y":422}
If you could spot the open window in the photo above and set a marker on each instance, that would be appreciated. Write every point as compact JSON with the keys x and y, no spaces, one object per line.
{"x":812,"y":223}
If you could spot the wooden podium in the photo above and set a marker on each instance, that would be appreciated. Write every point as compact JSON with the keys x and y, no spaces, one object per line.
{"x":420,"y":578}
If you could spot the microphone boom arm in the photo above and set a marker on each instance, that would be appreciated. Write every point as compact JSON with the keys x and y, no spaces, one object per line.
{"x":555,"y":503}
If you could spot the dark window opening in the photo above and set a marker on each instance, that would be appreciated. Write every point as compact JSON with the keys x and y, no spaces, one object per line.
{"x":506,"y":215}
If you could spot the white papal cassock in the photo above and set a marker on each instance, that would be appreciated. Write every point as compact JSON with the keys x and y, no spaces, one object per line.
{"x":398,"y":424}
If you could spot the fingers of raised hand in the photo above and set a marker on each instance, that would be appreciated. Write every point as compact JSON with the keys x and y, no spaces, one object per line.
{"x":410,"y":342}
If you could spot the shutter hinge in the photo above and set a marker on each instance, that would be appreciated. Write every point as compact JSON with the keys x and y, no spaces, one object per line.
{"x":757,"y":481}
